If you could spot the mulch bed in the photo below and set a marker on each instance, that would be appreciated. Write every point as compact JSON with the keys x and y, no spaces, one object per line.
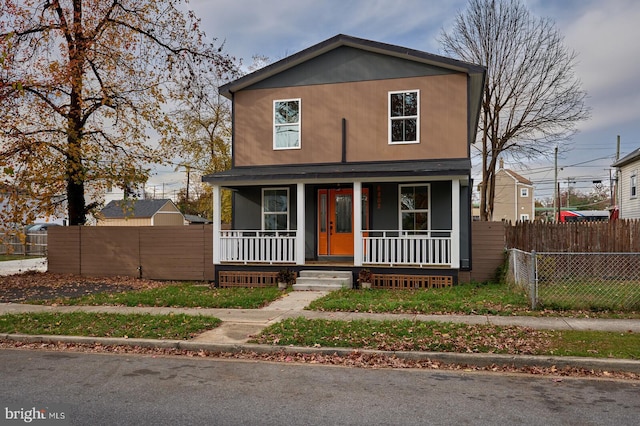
{"x":46,"y":286}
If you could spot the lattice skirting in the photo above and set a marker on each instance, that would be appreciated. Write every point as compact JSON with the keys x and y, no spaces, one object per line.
{"x":247,"y":279}
{"x":402,"y":282}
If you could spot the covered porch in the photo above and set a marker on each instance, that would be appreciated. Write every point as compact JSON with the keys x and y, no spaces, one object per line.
{"x":323,"y":221}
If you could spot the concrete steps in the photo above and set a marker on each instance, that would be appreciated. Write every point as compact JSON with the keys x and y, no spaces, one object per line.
{"x":323,"y":280}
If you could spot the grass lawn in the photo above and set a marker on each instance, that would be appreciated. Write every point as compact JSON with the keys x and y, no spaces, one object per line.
{"x":7,"y":257}
{"x":406,"y":335}
{"x":493,"y":299}
{"x":464,"y":299}
{"x":186,"y":295}
{"x":145,"y":326}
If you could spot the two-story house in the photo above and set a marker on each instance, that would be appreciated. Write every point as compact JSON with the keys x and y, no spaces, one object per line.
{"x":513,"y":200}
{"x":627,"y":197}
{"x":351,"y":154}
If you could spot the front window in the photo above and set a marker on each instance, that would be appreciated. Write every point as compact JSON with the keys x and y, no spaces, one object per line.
{"x":634,"y":185}
{"x":286,"y":124}
{"x":275,"y":209}
{"x":404,"y":126}
{"x":414,"y":207}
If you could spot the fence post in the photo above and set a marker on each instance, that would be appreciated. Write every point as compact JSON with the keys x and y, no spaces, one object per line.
{"x":534,"y":274}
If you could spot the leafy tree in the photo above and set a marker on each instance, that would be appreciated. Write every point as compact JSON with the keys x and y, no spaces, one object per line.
{"x":532,"y":99}
{"x":83,"y":84}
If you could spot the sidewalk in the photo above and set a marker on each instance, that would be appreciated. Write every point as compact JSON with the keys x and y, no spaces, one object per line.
{"x":240,"y":324}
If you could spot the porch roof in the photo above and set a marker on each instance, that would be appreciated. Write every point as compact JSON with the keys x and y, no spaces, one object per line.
{"x":307,"y":172}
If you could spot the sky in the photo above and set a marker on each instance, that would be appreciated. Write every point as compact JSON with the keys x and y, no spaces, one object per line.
{"x":604,"y":34}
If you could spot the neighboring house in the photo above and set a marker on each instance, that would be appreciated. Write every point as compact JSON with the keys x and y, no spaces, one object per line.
{"x":513,"y":200}
{"x":628,"y":199}
{"x":192,"y":219}
{"x":351,"y":154}
{"x":133,"y":212}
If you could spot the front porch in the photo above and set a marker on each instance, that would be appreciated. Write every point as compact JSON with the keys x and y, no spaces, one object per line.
{"x":294,"y":224}
{"x":375,"y":247}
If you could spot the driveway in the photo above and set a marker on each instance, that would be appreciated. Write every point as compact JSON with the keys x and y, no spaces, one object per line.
{"x":28,"y":264}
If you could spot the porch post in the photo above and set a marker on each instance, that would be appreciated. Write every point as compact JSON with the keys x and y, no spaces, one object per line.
{"x":300,"y":224}
{"x":455,"y":224}
{"x":357,"y":223}
{"x":217,"y":218}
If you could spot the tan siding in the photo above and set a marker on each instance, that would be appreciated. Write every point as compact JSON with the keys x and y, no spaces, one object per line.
{"x":125,"y":222}
{"x":504,"y":201}
{"x":168,"y":219}
{"x":443,"y":121}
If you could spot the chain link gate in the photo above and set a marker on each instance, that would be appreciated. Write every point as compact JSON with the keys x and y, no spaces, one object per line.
{"x":578,"y":281}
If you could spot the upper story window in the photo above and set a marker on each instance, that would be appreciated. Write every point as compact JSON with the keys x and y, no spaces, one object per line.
{"x":633,"y":184}
{"x":524,"y":192}
{"x":275,"y":209}
{"x":286,"y":124}
{"x":404,"y":110}
{"x":414,"y":207}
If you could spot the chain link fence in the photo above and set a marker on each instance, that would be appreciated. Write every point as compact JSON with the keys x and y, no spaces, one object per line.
{"x":578,"y":281}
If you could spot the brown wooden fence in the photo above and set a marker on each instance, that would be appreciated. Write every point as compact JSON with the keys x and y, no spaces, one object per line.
{"x":154,"y":252}
{"x":618,"y":236}
{"x":186,"y":252}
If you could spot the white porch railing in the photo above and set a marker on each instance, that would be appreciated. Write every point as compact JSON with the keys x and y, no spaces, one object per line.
{"x":258,"y":246}
{"x":423,"y":248}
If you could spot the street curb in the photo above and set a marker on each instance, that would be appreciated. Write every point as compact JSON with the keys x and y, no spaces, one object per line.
{"x":477,"y":359}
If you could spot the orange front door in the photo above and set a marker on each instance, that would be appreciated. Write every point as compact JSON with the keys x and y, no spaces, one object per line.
{"x":335,"y":221}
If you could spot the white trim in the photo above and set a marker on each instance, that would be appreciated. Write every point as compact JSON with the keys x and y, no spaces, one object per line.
{"x":390,"y":119}
{"x":217,"y":218}
{"x":455,"y":223}
{"x":300,"y":243}
{"x":357,"y":224}
{"x":299,"y":124}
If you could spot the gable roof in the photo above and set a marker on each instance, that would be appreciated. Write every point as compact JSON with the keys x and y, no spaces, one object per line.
{"x":476,"y":74}
{"x":630,"y":158}
{"x":518,"y":178}
{"x":119,"y":209}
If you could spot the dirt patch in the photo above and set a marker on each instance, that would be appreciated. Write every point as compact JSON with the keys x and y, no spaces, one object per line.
{"x":45,"y":286}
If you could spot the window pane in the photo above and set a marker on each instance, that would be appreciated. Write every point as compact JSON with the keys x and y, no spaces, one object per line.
{"x":397,"y":105}
{"x":287,"y":112}
{"x":410,"y":130}
{"x":410,"y":103}
{"x":275,"y":222}
{"x":397,"y":131}
{"x":343,"y":213}
{"x":422,"y":197}
{"x":275,"y":201}
{"x":287,"y":136}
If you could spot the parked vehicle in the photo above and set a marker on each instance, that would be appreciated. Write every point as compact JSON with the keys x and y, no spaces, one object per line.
{"x":584,"y":216}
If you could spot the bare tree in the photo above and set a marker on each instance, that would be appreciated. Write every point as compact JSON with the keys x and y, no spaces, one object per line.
{"x":532,"y":99}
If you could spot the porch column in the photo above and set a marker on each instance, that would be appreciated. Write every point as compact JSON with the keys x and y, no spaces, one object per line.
{"x":300,"y":224}
{"x":217,"y":218}
{"x":455,"y":224}
{"x":357,"y":223}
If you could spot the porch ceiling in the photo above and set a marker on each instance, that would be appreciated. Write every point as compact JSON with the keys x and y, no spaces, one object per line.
{"x":343,"y":171}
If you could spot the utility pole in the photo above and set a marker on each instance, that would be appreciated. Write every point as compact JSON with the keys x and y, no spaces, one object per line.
{"x":555,"y":187}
